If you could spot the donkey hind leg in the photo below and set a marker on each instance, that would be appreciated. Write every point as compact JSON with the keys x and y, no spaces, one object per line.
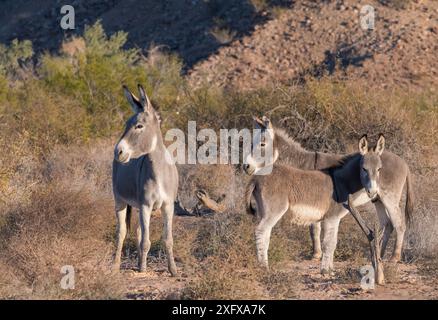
{"x":121,"y":232}
{"x":385,"y":225}
{"x":263,"y":236}
{"x":315,"y":234}
{"x":399,"y":225}
{"x":145,"y":243}
{"x":168,"y":209}
{"x":138,"y":239}
{"x":329,"y":241}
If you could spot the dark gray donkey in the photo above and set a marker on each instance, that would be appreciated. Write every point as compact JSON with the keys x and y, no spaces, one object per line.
{"x":144,"y":177}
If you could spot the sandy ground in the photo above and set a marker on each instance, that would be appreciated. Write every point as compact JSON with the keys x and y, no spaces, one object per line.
{"x":404,"y":281}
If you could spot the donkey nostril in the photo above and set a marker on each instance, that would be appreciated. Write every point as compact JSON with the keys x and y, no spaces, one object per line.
{"x":120,"y":152}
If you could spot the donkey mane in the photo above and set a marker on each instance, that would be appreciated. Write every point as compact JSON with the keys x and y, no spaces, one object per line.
{"x":292,"y":153}
{"x":281,"y":134}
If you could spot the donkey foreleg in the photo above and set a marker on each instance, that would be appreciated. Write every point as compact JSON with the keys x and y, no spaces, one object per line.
{"x":400,"y":228}
{"x":262,"y":235}
{"x":387,"y":231}
{"x":138,"y":239}
{"x":168,"y":209}
{"x":330,"y":238}
{"x":315,"y":234}
{"x":385,"y":225}
{"x":145,"y":243}
{"x":121,"y":234}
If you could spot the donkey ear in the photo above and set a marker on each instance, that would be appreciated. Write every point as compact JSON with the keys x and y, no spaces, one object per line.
{"x":144,"y":99}
{"x":135,"y":103}
{"x":363,"y":145}
{"x":258,"y":123}
{"x":380,"y":146}
{"x":267,"y":123}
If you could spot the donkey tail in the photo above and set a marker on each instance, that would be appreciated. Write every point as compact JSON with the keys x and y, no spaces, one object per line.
{"x":409,"y":207}
{"x":248,"y":194}
{"x":128,"y":218}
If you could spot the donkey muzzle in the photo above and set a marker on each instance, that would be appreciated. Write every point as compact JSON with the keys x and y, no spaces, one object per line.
{"x":121,"y":156}
{"x":122,"y":152}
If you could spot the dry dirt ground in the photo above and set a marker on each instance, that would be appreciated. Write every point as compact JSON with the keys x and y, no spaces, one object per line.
{"x":404,"y":281}
{"x":158,"y":284}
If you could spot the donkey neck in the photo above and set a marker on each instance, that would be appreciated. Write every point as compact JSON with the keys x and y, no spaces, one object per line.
{"x":347,"y":176}
{"x":292,"y":153}
{"x":158,"y":154}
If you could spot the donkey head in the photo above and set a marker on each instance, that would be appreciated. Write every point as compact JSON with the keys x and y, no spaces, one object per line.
{"x":370,"y":165}
{"x":263,"y":150}
{"x":142,"y":130}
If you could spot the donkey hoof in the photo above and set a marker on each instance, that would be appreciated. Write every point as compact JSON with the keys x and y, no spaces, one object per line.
{"x":173,"y":272}
{"x":316,"y":256}
{"x":264,"y":266}
{"x":394,"y":260}
{"x":327,"y":272}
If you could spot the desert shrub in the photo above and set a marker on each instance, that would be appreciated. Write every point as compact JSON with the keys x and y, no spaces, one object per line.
{"x":224,"y":249}
{"x":61,"y":220}
{"x":51,"y":231}
{"x":93,"y":78}
{"x":223,"y":35}
{"x":11,"y":56}
{"x":85,"y":82}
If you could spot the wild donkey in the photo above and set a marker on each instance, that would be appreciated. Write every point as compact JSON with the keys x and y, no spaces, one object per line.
{"x":310,"y":196}
{"x":144,"y":177}
{"x":394,"y":175}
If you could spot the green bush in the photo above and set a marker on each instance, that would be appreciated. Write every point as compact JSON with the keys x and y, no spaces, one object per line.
{"x":10,"y":57}
{"x":86,"y":84}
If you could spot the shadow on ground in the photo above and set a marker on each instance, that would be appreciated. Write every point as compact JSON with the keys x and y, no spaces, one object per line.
{"x":192,"y":28}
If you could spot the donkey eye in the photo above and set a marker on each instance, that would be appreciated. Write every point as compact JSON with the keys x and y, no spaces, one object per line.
{"x":139,"y":126}
{"x":263,"y":144}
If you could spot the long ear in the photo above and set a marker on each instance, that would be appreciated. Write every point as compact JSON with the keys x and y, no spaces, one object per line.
{"x":363,"y":145}
{"x":258,"y":123}
{"x":144,"y":99}
{"x":380,"y":145}
{"x":135,"y":103}
{"x":267,"y":123}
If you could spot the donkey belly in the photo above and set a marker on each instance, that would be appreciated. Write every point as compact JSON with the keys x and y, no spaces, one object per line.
{"x":302,"y":214}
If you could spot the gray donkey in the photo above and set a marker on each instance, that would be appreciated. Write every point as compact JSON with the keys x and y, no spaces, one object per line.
{"x":394,"y":175}
{"x":310,"y":196}
{"x":144,"y":177}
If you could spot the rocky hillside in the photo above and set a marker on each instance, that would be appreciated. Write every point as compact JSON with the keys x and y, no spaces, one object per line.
{"x":181,"y":26}
{"x":248,"y":43}
{"x":326,"y":38}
